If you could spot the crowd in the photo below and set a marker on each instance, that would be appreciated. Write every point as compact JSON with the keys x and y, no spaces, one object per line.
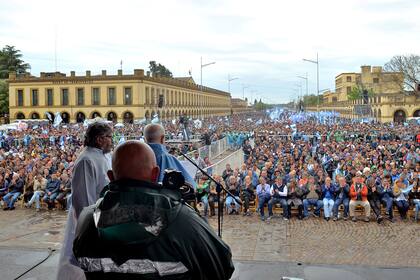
{"x":36,"y":162}
{"x":326,"y":165}
{"x":291,"y":160}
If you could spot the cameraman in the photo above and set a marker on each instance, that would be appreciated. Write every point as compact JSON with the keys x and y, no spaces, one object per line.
{"x":139,"y":230}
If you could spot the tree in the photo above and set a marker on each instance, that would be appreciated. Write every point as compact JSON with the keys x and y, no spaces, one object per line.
{"x":357,"y":92}
{"x":4,"y":97}
{"x":409,"y":65}
{"x":10,"y":60}
{"x":311,"y":100}
{"x":159,"y":69}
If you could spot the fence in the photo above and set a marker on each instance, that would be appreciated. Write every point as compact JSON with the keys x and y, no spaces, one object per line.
{"x":211,"y":151}
{"x":235,"y":160}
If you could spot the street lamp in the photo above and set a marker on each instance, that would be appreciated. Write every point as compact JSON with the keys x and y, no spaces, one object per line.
{"x":243,"y":91}
{"x":306,"y":79}
{"x":201,"y":70}
{"x":230,"y":80}
{"x":317,"y":78}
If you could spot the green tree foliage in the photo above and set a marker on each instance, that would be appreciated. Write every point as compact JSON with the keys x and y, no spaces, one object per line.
{"x":4,"y":97}
{"x":159,"y":69}
{"x":11,"y":60}
{"x":357,"y":92}
{"x":311,"y":100}
{"x":409,"y":65}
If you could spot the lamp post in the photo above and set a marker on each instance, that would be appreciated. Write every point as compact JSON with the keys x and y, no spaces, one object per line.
{"x":243,"y":91}
{"x":230,"y":80}
{"x":306,"y":79}
{"x":201,"y":70}
{"x":317,"y":78}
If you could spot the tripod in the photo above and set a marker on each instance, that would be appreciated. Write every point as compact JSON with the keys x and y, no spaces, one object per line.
{"x":219,"y":189}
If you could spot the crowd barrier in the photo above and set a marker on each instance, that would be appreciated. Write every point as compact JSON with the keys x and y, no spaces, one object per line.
{"x":235,"y":160}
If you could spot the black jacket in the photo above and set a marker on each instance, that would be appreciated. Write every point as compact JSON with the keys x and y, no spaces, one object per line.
{"x":143,"y":231}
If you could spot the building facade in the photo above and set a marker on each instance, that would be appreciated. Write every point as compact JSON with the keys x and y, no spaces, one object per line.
{"x":118,"y":98}
{"x":240,"y":106}
{"x":386,"y":102}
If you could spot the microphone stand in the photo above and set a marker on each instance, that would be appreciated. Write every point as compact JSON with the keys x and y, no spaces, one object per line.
{"x":219,"y":188}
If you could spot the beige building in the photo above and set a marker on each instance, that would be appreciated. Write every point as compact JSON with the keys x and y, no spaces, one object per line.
{"x":121,"y":98}
{"x":388,"y":101}
{"x":240,"y":106}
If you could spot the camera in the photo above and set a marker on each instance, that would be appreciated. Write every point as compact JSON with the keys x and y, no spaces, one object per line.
{"x":173,"y":179}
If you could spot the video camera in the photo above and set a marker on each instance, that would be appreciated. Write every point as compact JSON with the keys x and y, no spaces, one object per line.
{"x":174,"y":180}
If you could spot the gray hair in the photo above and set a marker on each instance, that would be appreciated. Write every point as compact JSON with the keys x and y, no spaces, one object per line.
{"x":153,"y":132}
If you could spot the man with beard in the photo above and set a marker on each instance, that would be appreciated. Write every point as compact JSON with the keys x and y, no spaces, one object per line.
{"x":89,"y":178}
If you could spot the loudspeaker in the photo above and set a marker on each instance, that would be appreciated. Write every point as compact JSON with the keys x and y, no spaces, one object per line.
{"x":161,"y":100}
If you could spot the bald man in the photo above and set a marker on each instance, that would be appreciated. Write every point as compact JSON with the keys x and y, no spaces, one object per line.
{"x":139,"y":230}
{"x":155,"y":137}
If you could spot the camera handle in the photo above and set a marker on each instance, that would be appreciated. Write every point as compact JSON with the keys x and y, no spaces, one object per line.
{"x":219,"y":189}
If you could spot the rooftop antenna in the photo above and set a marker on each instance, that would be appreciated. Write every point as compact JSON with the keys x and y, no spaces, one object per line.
{"x":121,"y":64}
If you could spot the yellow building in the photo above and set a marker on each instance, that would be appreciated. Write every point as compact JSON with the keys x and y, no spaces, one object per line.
{"x":370,"y":78}
{"x":240,"y":106}
{"x":387,"y":103}
{"x":121,"y":98}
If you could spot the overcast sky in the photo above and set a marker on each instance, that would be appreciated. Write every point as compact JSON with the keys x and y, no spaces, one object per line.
{"x":262,"y":43}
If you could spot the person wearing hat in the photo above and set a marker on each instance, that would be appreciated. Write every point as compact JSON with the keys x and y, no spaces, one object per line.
{"x":358,"y":196}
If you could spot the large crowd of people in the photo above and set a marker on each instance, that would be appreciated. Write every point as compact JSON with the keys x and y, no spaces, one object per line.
{"x":291,"y":160}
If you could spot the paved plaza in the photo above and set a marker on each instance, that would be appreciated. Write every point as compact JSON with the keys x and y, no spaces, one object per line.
{"x":292,"y":248}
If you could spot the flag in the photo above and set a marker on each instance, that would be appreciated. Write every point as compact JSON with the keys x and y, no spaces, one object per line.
{"x":49,"y":116}
{"x":155,"y":118}
{"x":57,"y":119}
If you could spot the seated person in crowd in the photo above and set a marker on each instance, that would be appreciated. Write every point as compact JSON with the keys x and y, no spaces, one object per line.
{"x":358,"y":196}
{"x":313,"y":198}
{"x":231,"y":204}
{"x":263,"y":193}
{"x":414,"y":196}
{"x":374,"y":198}
{"x":247,"y":194}
{"x":202,"y":192}
{"x":65,"y":191}
{"x":295,"y":196}
{"x":387,"y":196}
{"x":15,"y":190}
{"x":278,"y":193}
{"x":40,"y":183}
{"x":341,"y":197}
{"x":52,"y":190}
{"x":328,"y":192}
{"x":401,"y":191}
{"x":28,"y":188}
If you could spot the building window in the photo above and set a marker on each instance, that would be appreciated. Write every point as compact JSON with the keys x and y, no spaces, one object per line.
{"x":64,"y":96}
{"x":348,"y":90}
{"x":111,"y":96}
{"x":128,"y":100}
{"x":375,"y":80}
{"x":80,"y":96}
{"x":96,"y":96}
{"x":147,"y":96}
{"x":50,"y":97}
{"x":34,"y":97}
{"x":20,"y":97}
{"x":348,"y":78}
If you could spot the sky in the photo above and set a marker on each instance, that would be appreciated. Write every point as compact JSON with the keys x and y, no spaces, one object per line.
{"x":261,"y":43}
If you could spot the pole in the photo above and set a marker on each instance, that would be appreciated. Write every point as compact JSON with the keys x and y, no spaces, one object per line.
{"x":317,"y":82}
{"x":201,"y":73}
{"x":306,"y":83}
